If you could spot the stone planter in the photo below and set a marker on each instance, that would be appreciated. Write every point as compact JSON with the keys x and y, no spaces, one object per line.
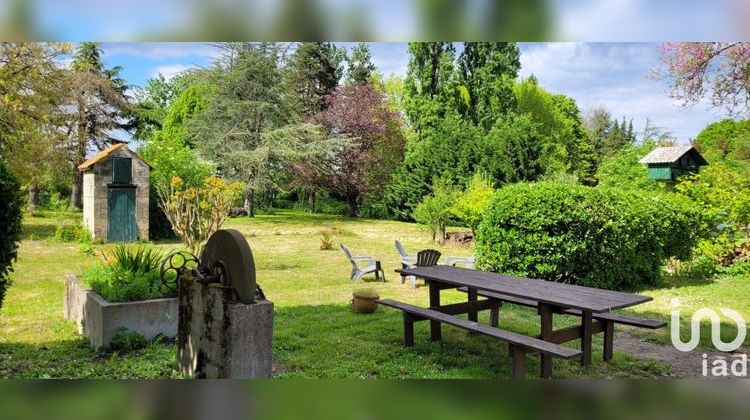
{"x":99,"y":320}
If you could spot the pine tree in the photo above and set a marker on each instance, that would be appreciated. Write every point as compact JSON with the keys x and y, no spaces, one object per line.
{"x":315,"y":71}
{"x":248,"y":129}
{"x":360,"y":66}
{"x":97,"y":108}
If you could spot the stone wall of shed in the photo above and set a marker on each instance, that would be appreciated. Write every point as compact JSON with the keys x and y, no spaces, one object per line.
{"x":89,"y":202}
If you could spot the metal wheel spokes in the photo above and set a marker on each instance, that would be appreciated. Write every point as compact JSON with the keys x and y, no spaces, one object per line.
{"x":179,"y":262}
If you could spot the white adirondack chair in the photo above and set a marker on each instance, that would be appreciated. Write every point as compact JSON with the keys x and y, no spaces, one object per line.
{"x":368,"y":265}
{"x":467,"y":262}
{"x":407,"y":260}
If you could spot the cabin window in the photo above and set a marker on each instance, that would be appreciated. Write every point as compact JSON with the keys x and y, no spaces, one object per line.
{"x":122,"y":172}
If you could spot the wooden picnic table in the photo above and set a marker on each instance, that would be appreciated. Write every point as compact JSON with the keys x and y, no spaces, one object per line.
{"x":551,"y":297}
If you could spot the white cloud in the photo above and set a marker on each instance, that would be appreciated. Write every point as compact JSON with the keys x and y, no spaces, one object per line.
{"x":170,"y":71}
{"x":161,"y":50}
{"x":647,"y":20}
{"x":614,"y":76}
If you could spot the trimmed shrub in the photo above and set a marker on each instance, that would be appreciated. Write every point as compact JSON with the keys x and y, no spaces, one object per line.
{"x":595,"y":237}
{"x":10,"y":225}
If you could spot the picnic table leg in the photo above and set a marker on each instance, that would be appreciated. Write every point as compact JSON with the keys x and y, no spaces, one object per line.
{"x":518,"y":355}
{"x":586,"y":327}
{"x":609,"y":335}
{"x":408,"y":330}
{"x":472,"y":315}
{"x":495,"y":313}
{"x":435,"y":331}
{"x":545,"y":313}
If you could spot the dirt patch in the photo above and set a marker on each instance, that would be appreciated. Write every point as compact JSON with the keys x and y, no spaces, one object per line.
{"x":464,"y":239}
{"x":684,"y":364}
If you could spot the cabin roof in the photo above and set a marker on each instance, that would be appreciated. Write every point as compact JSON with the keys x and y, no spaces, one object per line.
{"x":104,"y":153}
{"x":672,"y":154}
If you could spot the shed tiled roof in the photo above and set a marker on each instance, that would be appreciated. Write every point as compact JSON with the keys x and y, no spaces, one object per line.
{"x":670,"y":154}
{"x":103,"y":154}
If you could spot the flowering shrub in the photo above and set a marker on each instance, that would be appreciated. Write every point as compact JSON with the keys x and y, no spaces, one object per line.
{"x":197,"y":212}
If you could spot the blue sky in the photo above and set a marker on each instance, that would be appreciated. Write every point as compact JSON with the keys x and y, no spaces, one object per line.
{"x":612,"y":75}
{"x":591,"y":20}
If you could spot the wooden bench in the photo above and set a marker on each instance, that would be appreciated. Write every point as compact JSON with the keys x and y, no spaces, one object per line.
{"x":609,"y":319}
{"x":519,"y":345}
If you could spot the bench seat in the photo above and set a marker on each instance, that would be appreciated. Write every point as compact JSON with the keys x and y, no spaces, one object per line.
{"x":609,"y":317}
{"x":519,"y":344}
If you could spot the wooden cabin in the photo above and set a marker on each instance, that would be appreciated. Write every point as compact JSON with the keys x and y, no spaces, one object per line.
{"x":666,"y":164}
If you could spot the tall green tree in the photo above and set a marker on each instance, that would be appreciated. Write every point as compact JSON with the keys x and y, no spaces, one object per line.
{"x":314,"y":71}
{"x":453,"y":105}
{"x":31,"y":92}
{"x":620,"y":136}
{"x":154,"y":99}
{"x":487,"y":71}
{"x":359,"y":65}
{"x":598,"y":125}
{"x":249,"y":129}
{"x":171,"y":151}
{"x":97,"y":108}
{"x":427,"y":88}
{"x":566,"y":147}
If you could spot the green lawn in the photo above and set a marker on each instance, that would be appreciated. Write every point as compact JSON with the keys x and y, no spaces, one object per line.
{"x":316,"y":334}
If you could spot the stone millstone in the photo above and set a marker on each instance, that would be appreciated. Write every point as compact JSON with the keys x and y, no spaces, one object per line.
{"x":229,"y":247}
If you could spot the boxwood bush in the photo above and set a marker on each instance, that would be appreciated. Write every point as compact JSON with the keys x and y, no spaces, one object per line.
{"x":10,"y":225}
{"x":588,"y":236}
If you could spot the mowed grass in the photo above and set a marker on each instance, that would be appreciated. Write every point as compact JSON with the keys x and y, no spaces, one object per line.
{"x":316,"y":334}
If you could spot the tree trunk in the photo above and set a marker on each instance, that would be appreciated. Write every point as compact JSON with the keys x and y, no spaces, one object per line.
{"x":353,"y":206}
{"x":76,"y":195}
{"x":250,"y":202}
{"x":311,"y":200}
{"x":33,"y":196}
{"x":441,"y":233}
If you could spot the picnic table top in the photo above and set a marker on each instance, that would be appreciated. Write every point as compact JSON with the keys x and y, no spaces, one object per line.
{"x":558,"y":294}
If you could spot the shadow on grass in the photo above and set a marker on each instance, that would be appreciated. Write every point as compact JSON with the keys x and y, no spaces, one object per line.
{"x":37,"y":231}
{"x":74,"y":358}
{"x":331,"y":341}
{"x":283,"y":217}
{"x":682,"y":281}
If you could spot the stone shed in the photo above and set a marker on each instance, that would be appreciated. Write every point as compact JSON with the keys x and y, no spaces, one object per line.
{"x":115,"y":195}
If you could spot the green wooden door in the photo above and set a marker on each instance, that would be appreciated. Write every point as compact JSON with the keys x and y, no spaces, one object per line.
{"x":122,"y":227}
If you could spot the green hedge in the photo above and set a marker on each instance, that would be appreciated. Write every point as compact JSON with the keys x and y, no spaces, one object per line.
{"x":10,"y":225}
{"x":587,"y":236}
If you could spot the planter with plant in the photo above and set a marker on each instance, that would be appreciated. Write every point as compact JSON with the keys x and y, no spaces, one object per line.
{"x":123,"y":291}
{"x":365,"y":301}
